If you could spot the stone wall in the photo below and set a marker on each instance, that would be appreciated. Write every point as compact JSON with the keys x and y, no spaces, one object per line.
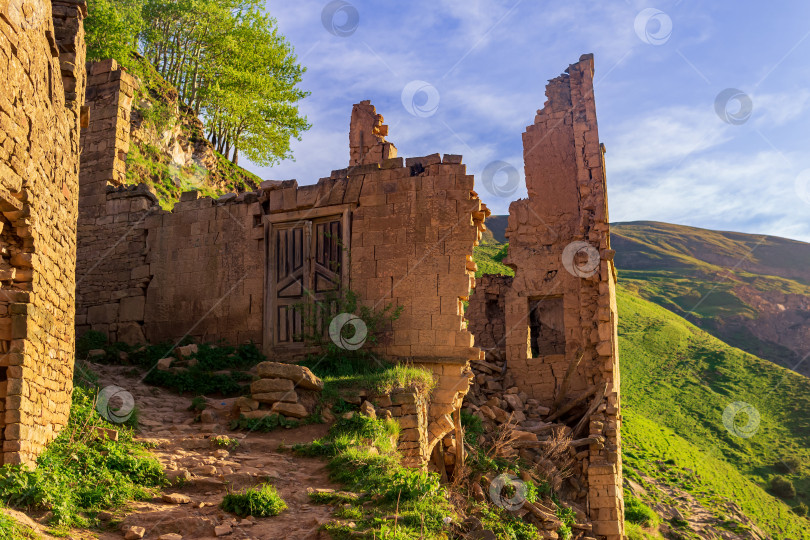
{"x":400,"y":232}
{"x":560,"y":308}
{"x":110,"y":269}
{"x":42,"y":80}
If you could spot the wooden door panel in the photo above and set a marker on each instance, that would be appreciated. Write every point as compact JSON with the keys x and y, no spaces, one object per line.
{"x":305,"y":264}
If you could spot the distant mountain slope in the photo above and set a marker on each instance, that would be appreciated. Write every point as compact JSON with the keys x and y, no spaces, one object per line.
{"x":751,"y":291}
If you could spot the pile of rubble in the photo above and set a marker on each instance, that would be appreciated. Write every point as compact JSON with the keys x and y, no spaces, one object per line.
{"x":551,"y":439}
{"x":286,"y":389}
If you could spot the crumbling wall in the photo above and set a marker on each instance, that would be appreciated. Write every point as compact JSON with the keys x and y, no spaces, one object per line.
{"x":560,"y":310}
{"x":485,"y":315}
{"x":42,"y":82}
{"x":212,"y":269}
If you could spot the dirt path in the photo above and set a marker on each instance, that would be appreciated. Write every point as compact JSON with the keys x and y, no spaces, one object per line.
{"x":682,"y":505}
{"x":186,"y":450}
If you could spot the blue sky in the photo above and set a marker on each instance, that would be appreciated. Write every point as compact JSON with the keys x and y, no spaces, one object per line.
{"x":672,"y":154}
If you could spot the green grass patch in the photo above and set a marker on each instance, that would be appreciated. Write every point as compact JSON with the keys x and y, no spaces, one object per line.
{"x":343,"y":375}
{"x":362,"y":456}
{"x":260,"y":501}
{"x":80,"y":473}
{"x":11,"y":529}
{"x":635,"y":511}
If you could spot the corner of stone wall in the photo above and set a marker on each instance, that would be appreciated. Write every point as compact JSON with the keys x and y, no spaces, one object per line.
{"x":40,"y":85}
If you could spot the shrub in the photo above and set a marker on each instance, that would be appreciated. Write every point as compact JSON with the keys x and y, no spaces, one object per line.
{"x":788,"y":465}
{"x":800,"y":509}
{"x":260,"y":501}
{"x":198,"y":404}
{"x":782,"y":487}
{"x":639,"y":513}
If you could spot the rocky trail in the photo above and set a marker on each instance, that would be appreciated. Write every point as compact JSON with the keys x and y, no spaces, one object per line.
{"x":203,"y":472}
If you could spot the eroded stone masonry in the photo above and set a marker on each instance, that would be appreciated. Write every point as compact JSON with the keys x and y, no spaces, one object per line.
{"x":42,"y":80}
{"x":394,"y":230}
{"x":554,"y":323}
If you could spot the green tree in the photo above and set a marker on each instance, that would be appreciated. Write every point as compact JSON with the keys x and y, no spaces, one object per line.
{"x":112,"y":28}
{"x":226,"y":59}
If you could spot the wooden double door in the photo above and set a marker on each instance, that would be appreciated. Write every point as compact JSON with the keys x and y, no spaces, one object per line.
{"x":306,"y":266}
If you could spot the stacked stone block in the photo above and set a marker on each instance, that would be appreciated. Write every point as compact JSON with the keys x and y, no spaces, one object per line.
{"x":42,"y":80}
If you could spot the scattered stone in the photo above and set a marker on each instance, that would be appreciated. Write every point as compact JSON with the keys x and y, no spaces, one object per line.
{"x":164,"y":364}
{"x":135,"y":533}
{"x":186,"y":351}
{"x":300,"y":375}
{"x":246,"y":404}
{"x":170,"y":536}
{"x":222,"y":530}
{"x":176,"y":498}
{"x":367,"y":409}
{"x":294,"y":410}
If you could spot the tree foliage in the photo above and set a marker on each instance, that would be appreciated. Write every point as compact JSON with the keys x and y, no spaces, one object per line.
{"x":226,"y":59}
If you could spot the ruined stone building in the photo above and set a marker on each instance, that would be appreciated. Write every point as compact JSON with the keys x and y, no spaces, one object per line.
{"x":42,"y":80}
{"x":395,"y":231}
{"x":555,"y":322}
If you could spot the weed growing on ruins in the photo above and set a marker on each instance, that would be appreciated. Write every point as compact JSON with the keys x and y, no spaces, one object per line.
{"x":635,"y":511}
{"x":259,"y":501}
{"x":81,"y":473}
{"x":317,"y":316}
{"x":503,"y":523}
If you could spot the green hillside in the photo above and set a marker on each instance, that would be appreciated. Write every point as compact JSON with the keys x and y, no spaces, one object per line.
{"x":677,"y":381}
{"x":751,"y":291}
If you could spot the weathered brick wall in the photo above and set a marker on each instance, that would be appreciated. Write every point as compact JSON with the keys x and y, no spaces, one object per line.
{"x":207,"y":268}
{"x":111,"y":271}
{"x":485,"y":314}
{"x":42,"y":82}
{"x":561,"y":305}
